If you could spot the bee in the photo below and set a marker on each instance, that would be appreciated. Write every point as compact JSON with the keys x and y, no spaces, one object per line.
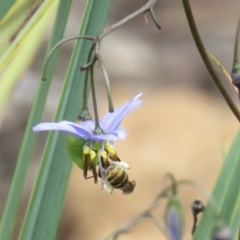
{"x":115,"y":175}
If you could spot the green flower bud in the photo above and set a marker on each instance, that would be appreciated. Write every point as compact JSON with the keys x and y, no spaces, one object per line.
{"x":75,"y":149}
{"x":174,"y":219}
{"x":236,"y":75}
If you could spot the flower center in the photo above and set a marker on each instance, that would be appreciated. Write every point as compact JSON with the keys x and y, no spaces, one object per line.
{"x":98,"y":131}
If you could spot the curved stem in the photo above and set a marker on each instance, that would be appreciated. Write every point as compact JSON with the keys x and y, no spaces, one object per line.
{"x":44,"y":70}
{"x":235,"y":55}
{"x":173,"y":182}
{"x":143,"y":9}
{"x":206,"y":60}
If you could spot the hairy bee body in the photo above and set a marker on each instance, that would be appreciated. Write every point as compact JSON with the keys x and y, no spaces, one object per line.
{"x":116,"y":176}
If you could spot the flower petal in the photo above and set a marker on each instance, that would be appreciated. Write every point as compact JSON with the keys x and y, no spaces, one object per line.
{"x":62,"y":126}
{"x":111,"y":121}
{"x":121,"y":133}
{"x":87,"y":125}
{"x":104,"y":137}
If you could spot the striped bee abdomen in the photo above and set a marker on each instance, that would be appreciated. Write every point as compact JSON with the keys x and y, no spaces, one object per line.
{"x":116,"y":177}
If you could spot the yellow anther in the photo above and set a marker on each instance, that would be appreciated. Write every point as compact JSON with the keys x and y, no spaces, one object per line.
{"x":92,"y":154}
{"x":103,"y":154}
{"x":86,"y":150}
{"x":110,"y":148}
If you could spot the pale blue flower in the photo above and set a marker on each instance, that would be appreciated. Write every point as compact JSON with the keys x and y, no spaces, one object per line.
{"x":85,"y":130}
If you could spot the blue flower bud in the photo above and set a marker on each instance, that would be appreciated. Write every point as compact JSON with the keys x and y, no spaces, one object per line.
{"x":174,"y":218}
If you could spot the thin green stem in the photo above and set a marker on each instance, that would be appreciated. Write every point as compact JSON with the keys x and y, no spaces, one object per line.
{"x":85,"y":114}
{"x":97,"y":124}
{"x":206,"y":60}
{"x":143,"y":9}
{"x":85,"y":88}
{"x":107,"y":83}
{"x":235,"y":55}
{"x":45,"y":66}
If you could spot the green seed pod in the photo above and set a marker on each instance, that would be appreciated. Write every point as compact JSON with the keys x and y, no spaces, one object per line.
{"x":236,"y":75}
{"x":75,"y":149}
{"x":174,"y":219}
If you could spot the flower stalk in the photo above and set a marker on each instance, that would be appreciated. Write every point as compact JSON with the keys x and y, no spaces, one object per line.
{"x":97,"y":129}
{"x":45,"y":66}
{"x":206,"y":60}
{"x":107,"y":83}
{"x":92,"y":57}
{"x":147,"y":7}
{"x":235,"y":54}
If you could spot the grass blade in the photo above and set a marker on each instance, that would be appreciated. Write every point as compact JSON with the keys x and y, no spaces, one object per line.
{"x":48,"y":195}
{"x":11,"y":73}
{"x":235,"y":221}
{"x":5,"y":7}
{"x":225,"y":193}
{"x":29,"y":140}
{"x":18,"y":24}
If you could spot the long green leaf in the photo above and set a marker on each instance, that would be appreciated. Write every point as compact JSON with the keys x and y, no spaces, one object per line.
{"x":225,"y":193}
{"x":22,"y":59}
{"x":22,"y":18}
{"x":235,"y":221}
{"x":29,"y":140}
{"x":43,"y":214}
{"x":5,"y":6}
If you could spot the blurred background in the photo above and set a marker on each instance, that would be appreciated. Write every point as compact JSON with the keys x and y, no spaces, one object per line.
{"x":182,"y":128}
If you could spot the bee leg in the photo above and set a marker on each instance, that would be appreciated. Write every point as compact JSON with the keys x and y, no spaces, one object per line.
{"x":94,"y":171}
{"x":85,"y":165}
